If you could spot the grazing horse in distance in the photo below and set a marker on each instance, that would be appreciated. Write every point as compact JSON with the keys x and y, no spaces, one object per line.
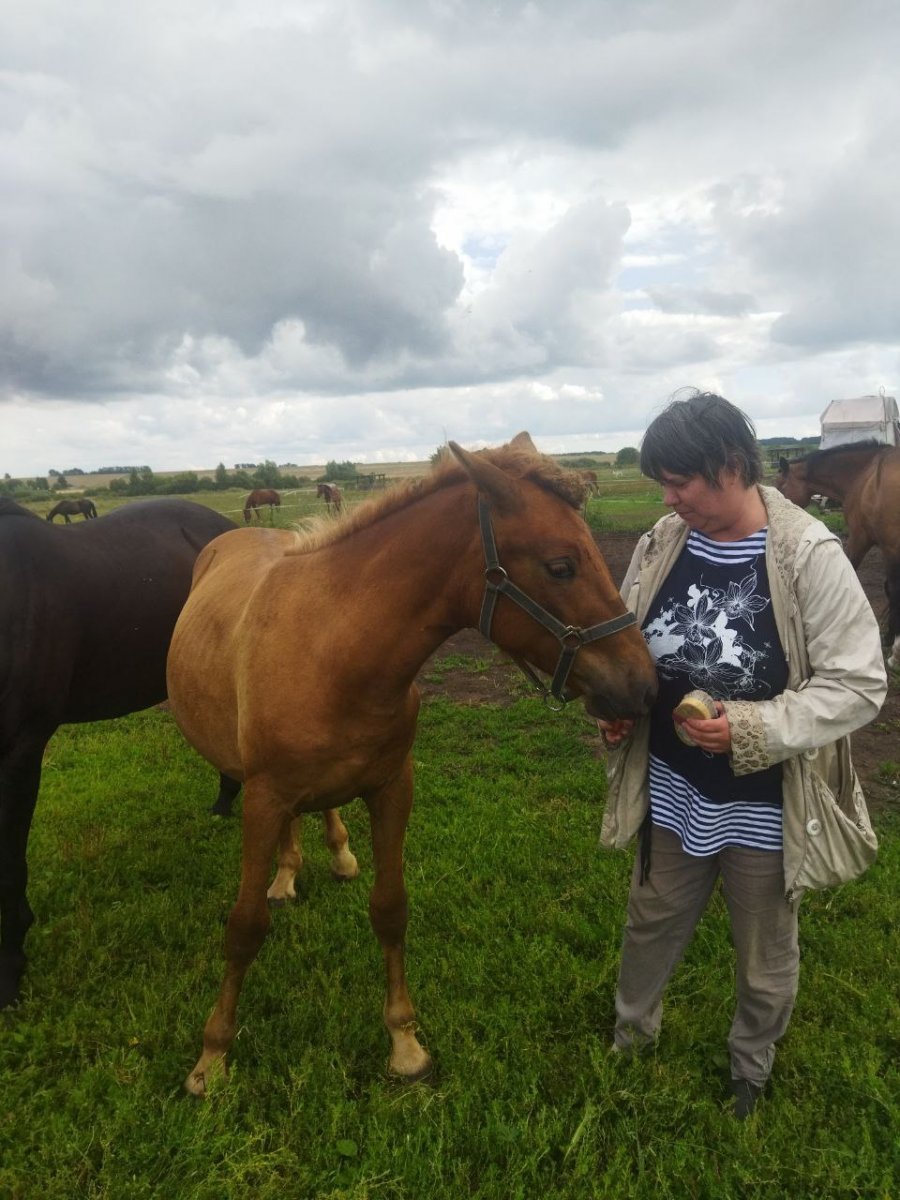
{"x":258,"y":499}
{"x":331,"y":494}
{"x":865,"y":478}
{"x":293,"y":664}
{"x":85,"y":622}
{"x":67,"y":508}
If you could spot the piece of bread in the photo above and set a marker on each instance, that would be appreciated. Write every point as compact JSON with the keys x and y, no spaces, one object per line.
{"x":695,"y":706}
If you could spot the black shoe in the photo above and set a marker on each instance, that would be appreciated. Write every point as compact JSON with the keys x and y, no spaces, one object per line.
{"x":746,"y":1095}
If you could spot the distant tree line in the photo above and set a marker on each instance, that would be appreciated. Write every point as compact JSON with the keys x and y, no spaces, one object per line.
{"x":24,"y":489}
{"x":142,"y":481}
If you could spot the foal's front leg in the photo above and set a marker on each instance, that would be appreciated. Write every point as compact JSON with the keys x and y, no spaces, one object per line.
{"x":247,"y":927}
{"x":389,"y":811}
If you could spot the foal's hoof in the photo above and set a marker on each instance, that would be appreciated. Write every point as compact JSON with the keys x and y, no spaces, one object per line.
{"x":346,"y":869}
{"x":423,"y":1075}
{"x":196,"y":1084}
{"x":204,"y":1076}
{"x":343,"y":876}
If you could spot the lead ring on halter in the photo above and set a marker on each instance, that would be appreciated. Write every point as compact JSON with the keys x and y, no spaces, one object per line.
{"x":570,"y":637}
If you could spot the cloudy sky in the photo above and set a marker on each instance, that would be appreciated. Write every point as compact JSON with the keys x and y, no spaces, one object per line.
{"x":315,"y":229}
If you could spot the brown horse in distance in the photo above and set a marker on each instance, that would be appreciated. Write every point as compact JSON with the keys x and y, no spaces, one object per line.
{"x":71,"y":508}
{"x":331,"y":494}
{"x":292,"y":669}
{"x":865,"y":478}
{"x":259,"y":499}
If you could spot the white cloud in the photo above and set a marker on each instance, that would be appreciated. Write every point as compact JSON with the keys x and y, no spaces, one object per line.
{"x":307,"y":231}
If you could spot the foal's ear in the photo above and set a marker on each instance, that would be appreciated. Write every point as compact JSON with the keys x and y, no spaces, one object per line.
{"x":495,"y":485}
{"x":783,"y":466}
{"x":522,"y":441}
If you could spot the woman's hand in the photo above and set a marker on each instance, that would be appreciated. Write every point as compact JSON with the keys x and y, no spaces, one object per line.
{"x":616,"y":731}
{"x":712,"y":736}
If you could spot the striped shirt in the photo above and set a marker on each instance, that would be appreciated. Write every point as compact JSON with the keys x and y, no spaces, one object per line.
{"x":711,"y":627}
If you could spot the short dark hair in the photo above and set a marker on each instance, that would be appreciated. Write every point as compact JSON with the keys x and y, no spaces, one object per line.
{"x":699,"y":435}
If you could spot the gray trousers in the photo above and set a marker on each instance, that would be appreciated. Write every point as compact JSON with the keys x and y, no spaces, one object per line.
{"x":662,"y":916}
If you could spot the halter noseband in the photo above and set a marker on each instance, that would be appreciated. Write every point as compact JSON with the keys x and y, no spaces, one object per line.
{"x":570,"y":638}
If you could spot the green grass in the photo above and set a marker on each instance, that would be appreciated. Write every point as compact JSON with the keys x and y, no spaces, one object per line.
{"x":626,"y":502}
{"x":512,"y":955}
{"x":632,"y":503}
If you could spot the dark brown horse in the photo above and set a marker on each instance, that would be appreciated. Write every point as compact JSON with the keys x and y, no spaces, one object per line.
{"x":865,"y":478}
{"x":292,"y":669}
{"x":71,"y":508}
{"x":85,"y":622}
{"x":260,"y":499}
{"x":331,"y":494}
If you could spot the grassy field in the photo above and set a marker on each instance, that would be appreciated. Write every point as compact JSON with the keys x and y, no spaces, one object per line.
{"x":626,"y":502}
{"x":512,"y":954}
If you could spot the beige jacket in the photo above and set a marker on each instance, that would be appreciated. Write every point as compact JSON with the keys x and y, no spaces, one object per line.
{"x":836,"y":683}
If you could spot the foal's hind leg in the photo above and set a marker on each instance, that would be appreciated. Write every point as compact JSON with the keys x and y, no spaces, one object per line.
{"x":343,"y":864}
{"x":247,"y":927}
{"x":389,"y":812}
{"x":290,"y":860}
{"x":290,"y":856}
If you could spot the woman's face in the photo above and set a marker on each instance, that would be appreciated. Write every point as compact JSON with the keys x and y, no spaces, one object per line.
{"x":707,"y":509}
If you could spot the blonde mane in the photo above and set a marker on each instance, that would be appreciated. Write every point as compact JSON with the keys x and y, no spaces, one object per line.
{"x":518,"y":463}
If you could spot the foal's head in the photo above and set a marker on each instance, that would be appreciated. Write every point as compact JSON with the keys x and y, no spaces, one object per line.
{"x":548,"y":551}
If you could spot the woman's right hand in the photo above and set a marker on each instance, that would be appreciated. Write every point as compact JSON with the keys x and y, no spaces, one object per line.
{"x":616,"y":731}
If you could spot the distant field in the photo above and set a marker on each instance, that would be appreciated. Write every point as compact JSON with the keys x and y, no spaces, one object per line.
{"x":393,"y":470}
{"x":400,"y":470}
{"x":625,"y":501}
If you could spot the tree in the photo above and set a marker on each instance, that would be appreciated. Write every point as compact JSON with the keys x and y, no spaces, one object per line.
{"x":222,"y":478}
{"x":267,"y":475}
{"x":628,"y":456}
{"x":141,"y":482}
{"x":179,"y":485}
{"x":60,"y":482}
{"x":343,"y":470}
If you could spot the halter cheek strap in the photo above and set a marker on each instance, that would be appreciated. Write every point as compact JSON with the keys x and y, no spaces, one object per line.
{"x":570,"y":637}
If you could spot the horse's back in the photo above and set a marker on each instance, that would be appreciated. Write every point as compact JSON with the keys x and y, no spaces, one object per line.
{"x":98,"y":601}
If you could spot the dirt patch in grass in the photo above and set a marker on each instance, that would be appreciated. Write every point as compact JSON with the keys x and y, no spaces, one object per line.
{"x":467,"y":669}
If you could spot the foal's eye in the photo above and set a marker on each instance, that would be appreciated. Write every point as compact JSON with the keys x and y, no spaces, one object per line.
{"x":561,"y":568}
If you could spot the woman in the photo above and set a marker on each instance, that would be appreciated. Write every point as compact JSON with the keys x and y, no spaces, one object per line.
{"x":747,"y":597}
